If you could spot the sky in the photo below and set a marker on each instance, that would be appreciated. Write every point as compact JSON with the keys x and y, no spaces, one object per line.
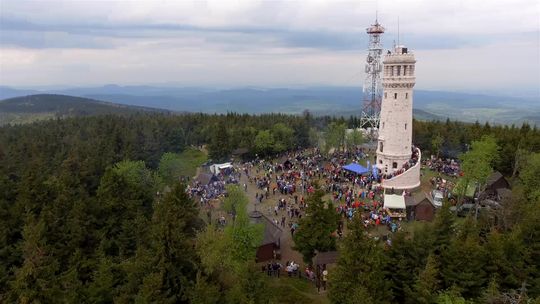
{"x":462,"y":45}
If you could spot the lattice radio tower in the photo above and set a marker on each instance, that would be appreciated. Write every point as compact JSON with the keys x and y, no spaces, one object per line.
{"x":372,"y":89}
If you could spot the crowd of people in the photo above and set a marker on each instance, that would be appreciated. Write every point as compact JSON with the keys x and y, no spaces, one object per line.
{"x":292,"y":269}
{"x":448,"y":166}
{"x":285,"y":183}
{"x":295,"y":175}
{"x":214,"y":188}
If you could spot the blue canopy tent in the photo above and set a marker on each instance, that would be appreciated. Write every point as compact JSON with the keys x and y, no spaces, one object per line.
{"x":356,"y":168}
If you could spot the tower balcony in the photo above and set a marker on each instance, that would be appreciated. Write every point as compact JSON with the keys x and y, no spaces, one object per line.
{"x":394,"y":58}
{"x":394,"y":81}
{"x":408,"y":177}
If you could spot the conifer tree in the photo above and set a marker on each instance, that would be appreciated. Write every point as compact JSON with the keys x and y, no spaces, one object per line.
{"x":174,"y":263}
{"x":427,"y":283}
{"x":443,"y":228}
{"x":316,"y":228}
{"x":35,"y":281}
{"x":219,"y":147}
{"x":463,"y":262}
{"x":359,"y":270}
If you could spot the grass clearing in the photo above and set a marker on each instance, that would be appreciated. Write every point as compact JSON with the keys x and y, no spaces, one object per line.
{"x":295,"y":290}
{"x":190,"y":160}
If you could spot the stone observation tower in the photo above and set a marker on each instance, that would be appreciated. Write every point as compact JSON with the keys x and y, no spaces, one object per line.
{"x":397,"y":159}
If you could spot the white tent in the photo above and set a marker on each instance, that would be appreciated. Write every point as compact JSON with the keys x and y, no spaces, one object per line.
{"x":394,"y":201}
{"x":216,"y":168}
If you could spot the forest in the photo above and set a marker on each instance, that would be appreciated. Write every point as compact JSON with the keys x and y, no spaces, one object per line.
{"x":82,"y":221}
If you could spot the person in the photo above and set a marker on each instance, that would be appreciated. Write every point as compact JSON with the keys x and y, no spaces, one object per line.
{"x":277,"y":269}
{"x":309,"y":274}
{"x":324,"y":278}
{"x":269,"y":269}
{"x":289,"y":269}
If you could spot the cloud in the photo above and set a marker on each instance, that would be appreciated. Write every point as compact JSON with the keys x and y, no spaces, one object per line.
{"x":22,"y":33}
{"x":278,"y":42}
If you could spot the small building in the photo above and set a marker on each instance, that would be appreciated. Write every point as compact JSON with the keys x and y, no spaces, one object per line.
{"x":395,"y":205}
{"x":322,"y":261}
{"x":221,"y":168}
{"x":206,"y":178}
{"x":496,"y":189}
{"x":325,"y":258}
{"x":240,"y":153}
{"x":420,"y":207}
{"x":271,"y":243}
{"x":496,"y":181}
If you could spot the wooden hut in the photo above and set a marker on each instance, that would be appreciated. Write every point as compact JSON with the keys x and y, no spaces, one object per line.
{"x":321,"y":261}
{"x":420,"y":207}
{"x":271,"y":243}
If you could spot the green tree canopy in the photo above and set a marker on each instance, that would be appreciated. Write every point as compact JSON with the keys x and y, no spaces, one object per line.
{"x":359,"y":270}
{"x":477,"y":164}
{"x":264,"y":142}
{"x":316,"y":227}
{"x":354,"y":139}
{"x":335,"y":136}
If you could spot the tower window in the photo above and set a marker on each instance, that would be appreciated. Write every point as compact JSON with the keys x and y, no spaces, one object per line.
{"x":398,"y":70}
{"x":395,"y":95}
{"x":394,"y":165}
{"x":404,"y":70}
{"x":380,"y":161}
{"x":381,"y":146}
{"x":406,"y":95}
{"x":405,"y":126}
{"x":384,"y":95}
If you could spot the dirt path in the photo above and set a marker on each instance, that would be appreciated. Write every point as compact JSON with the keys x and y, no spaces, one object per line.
{"x":267,"y":208}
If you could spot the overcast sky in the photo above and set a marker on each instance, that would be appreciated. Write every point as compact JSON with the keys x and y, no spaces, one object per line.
{"x":459,"y":45}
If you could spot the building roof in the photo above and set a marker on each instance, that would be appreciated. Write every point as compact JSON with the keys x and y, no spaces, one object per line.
{"x":417,"y":198}
{"x":240,"y":151}
{"x":322,"y":258}
{"x":494,"y":178}
{"x":394,"y":201}
{"x":272,"y":232}
{"x":205,"y":178}
{"x":215,"y":168}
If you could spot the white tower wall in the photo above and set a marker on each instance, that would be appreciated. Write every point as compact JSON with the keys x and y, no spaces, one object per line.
{"x":395,"y":129}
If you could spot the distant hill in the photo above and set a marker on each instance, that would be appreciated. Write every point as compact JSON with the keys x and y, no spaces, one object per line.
{"x":45,"y":106}
{"x":346,"y":101}
{"x":322,"y":100}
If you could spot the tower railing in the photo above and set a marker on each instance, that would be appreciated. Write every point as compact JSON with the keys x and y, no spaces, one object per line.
{"x":410,"y":171}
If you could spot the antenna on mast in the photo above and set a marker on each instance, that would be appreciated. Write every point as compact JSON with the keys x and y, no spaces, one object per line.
{"x":398,"y":30}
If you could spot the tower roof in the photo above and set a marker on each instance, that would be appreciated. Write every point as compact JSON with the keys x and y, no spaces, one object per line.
{"x":375,"y":28}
